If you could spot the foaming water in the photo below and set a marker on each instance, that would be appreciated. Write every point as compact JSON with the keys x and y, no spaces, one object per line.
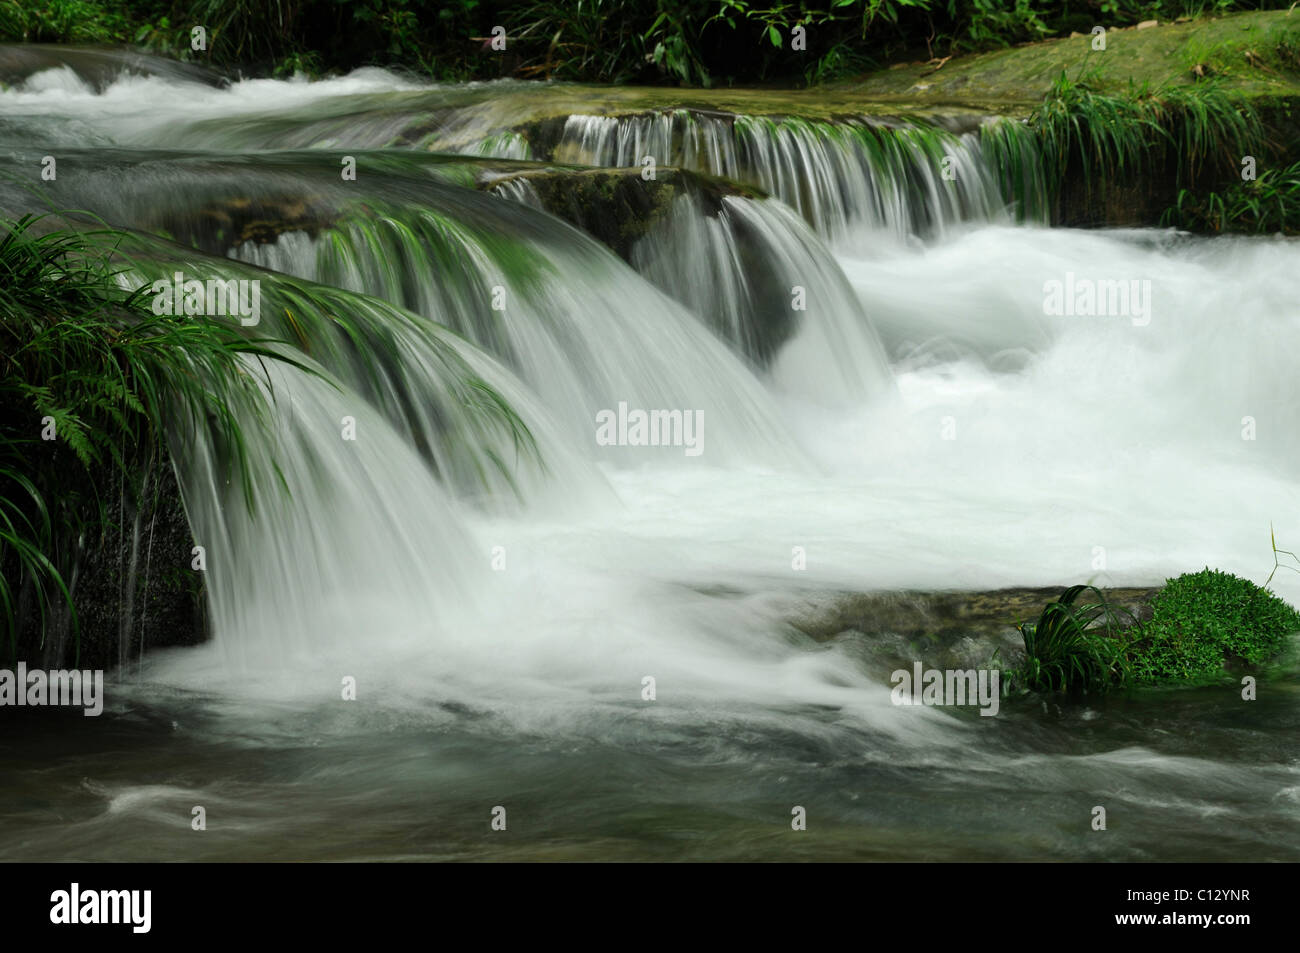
{"x":1105,"y":434}
{"x":346,"y":558}
{"x":145,"y":110}
{"x":848,"y":179}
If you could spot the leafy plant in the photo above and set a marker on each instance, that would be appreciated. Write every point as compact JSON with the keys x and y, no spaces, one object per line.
{"x":1073,"y":646}
{"x":1267,"y":204}
{"x":1106,"y":136}
{"x":1202,"y":625}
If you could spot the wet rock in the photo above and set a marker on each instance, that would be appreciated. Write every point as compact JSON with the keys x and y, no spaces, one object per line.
{"x":618,"y":207}
{"x":132,"y":585}
{"x":946,"y":630}
{"x":220,"y":225}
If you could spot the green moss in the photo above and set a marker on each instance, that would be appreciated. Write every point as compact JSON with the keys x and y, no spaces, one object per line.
{"x":1254,"y":54}
{"x":1207,"y":624}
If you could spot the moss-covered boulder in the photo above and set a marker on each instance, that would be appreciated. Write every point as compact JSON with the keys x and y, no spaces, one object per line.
{"x":1207,"y":624}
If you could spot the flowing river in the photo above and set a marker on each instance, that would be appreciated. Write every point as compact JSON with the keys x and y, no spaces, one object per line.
{"x":921,"y":423}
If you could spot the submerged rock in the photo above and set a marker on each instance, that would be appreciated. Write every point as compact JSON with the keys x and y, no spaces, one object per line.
{"x":1199,"y":628}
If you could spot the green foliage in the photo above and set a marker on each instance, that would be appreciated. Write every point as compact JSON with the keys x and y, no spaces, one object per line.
{"x":1203,"y":625}
{"x":1205,"y":622}
{"x":82,"y":355}
{"x":64,"y":21}
{"x":1072,"y":647}
{"x":1019,"y":164}
{"x":982,"y":24}
{"x":1268,"y":204}
{"x":702,"y":42}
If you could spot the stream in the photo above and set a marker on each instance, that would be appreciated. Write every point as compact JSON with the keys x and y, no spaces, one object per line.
{"x":923,"y":423}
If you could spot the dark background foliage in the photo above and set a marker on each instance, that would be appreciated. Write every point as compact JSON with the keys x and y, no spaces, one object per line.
{"x":694,"y":42}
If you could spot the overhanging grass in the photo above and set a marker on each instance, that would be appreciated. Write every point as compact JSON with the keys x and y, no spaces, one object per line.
{"x":1106,"y":138}
{"x":89,"y":363}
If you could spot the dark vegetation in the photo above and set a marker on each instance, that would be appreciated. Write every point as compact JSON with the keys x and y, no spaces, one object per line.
{"x":1267,"y":204}
{"x":693,"y":42}
{"x":1195,"y":157}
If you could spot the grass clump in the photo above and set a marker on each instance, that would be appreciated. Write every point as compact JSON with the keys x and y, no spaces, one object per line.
{"x":1108,"y":138}
{"x":1074,"y":646}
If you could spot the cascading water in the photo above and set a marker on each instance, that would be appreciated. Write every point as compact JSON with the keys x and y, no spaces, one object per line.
{"x":561,"y":320}
{"x":842,"y":177}
{"x":752,"y":268}
{"x":501,"y":652}
{"x":518,"y":189}
{"x":846,"y":178}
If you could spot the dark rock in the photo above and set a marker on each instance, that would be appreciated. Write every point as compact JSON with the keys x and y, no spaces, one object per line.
{"x":131,"y":582}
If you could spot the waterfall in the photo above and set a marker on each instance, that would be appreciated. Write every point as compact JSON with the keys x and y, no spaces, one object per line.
{"x":905,"y":179}
{"x":333,"y":552}
{"x":762,"y":281}
{"x":579,"y":327}
{"x":518,"y":189}
{"x":636,"y":651}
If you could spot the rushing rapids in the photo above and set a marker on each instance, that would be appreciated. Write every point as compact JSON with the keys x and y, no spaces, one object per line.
{"x":885,"y":404}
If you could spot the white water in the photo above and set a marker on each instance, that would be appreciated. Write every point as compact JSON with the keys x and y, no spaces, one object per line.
{"x":755,"y":265}
{"x":580,"y":329}
{"x":1110,"y":435}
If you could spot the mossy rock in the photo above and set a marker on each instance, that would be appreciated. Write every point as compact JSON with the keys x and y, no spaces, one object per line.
{"x":944,"y":629}
{"x":617,"y":206}
{"x":1201,"y":628}
{"x":1207,"y":625}
{"x":222,"y":224}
